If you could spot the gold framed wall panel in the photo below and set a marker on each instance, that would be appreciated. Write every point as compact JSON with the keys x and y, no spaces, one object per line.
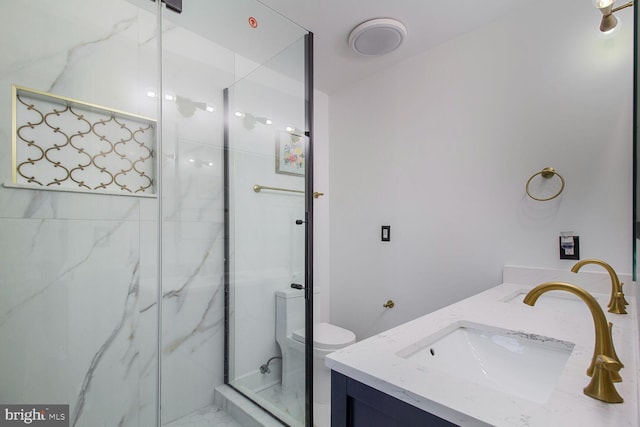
{"x":65,"y":144}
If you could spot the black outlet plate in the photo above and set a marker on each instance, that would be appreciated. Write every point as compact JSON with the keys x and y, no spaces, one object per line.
{"x":576,"y":249}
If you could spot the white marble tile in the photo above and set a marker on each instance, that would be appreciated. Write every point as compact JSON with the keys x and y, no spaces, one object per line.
{"x":70,"y":300}
{"x":72,"y":324}
{"x":27,"y":203}
{"x":193,"y":316}
{"x":210,"y":416}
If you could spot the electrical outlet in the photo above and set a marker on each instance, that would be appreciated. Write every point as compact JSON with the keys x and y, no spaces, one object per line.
{"x":569,"y":247}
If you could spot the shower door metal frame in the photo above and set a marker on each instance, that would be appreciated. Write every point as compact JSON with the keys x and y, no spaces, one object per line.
{"x":308,"y":286}
{"x":308,"y":253}
{"x":636,"y":150}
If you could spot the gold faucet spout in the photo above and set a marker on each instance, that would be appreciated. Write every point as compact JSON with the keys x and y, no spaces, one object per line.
{"x":604,"y":365}
{"x":617,"y":302}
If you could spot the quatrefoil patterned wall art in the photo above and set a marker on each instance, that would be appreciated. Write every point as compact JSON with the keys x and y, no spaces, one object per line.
{"x":67,"y":144}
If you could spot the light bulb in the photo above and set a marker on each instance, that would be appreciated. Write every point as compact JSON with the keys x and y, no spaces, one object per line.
{"x":603,"y":3}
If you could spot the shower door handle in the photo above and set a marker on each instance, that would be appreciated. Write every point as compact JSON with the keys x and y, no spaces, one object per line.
{"x":297,"y":286}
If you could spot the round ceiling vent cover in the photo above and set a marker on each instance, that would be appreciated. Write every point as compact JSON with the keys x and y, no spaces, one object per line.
{"x":377,"y":36}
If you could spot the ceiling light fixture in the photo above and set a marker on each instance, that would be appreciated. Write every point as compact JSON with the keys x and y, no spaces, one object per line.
{"x":377,"y":36}
{"x":609,"y":21}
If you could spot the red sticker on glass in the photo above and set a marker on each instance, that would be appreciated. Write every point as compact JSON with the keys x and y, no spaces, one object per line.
{"x":253,"y":22}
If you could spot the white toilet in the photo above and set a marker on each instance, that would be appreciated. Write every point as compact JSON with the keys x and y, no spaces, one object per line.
{"x":290,"y":335}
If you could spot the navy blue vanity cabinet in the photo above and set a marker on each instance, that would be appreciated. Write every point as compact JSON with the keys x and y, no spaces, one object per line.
{"x":354,"y":404}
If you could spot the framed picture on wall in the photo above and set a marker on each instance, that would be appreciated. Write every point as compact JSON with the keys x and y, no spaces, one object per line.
{"x":290,"y":155}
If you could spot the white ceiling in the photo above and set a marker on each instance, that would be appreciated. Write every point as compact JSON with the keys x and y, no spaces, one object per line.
{"x":429,"y":23}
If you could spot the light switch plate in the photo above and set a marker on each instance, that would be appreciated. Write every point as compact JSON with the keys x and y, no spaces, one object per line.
{"x":385,"y":234}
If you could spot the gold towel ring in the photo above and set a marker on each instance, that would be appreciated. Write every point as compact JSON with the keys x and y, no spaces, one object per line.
{"x":546,"y":173}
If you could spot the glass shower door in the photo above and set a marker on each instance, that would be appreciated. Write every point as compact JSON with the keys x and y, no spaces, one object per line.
{"x":256,"y":57}
{"x":266,"y":163}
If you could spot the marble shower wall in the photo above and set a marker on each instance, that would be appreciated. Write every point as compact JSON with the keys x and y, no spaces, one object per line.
{"x":78,"y":272}
{"x":193,"y":220}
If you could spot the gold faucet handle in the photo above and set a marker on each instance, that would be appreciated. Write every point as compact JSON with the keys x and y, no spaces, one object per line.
{"x":615,"y":375}
{"x":611,"y":364}
{"x":618,"y":304}
{"x":601,"y":386}
{"x":608,"y":363}
{"x":624,"y":300}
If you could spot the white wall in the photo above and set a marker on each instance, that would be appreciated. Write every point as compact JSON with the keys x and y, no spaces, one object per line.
{"x":440,"y":147}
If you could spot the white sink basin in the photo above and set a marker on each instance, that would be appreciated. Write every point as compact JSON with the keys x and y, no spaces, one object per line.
{"x":517,"y":363}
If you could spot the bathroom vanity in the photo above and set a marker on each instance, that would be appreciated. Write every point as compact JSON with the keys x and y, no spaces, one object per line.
{"x":491,"y":360}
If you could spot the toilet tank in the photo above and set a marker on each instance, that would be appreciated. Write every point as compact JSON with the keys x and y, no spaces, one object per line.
{"x":289,"y":311}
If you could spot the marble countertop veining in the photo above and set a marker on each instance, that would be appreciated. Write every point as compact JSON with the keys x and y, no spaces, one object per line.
{"x":375,"y":363}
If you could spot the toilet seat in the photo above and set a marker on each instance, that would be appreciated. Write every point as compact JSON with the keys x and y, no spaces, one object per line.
{"x":327,"y":336}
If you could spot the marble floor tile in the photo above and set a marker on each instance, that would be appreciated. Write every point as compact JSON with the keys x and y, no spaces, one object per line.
{"x":210,"y":416}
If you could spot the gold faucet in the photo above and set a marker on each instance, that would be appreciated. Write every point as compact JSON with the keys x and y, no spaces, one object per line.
{"x":617,"y":302}
{"x":604,"y":364}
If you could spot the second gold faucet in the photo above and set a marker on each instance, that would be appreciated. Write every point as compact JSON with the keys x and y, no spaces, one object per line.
{"x":617,"y":302}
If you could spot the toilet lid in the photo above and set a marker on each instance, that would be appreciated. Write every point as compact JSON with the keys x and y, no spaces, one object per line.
{"x":327,"y":336}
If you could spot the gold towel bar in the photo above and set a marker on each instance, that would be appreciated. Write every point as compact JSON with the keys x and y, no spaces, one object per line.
{"x":257,"y":188}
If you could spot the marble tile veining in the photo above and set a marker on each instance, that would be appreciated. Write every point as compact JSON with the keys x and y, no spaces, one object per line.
{"x":128,"y":312}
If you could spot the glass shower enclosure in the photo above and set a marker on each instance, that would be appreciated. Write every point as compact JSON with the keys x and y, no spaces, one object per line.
{"x":268,"y":159}
{"x":127,"y":210}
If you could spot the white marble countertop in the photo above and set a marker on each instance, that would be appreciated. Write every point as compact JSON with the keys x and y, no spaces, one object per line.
{"x":374,"y":361}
